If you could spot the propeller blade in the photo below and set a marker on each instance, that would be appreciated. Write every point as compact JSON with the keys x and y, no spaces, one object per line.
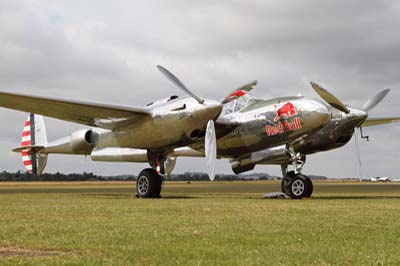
{"x":371,"y":103}
{"x":171,"y":77}
{"x":210,"y":145}
{"x":329,"y":98}
{"x":247,"y":87}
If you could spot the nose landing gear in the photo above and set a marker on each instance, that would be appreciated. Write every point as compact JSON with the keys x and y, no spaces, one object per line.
{"x":294,"y":183}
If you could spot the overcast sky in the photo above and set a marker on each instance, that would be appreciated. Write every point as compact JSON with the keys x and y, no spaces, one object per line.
{"x":106,"y":51}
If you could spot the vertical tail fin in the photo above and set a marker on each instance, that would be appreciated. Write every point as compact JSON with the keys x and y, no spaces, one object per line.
{"x":34,"y":135}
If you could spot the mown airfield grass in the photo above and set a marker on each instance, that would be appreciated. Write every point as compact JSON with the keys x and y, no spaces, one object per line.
{"x":202,"y":223}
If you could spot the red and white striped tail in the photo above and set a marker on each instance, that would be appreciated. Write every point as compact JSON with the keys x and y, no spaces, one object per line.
{"x":33,"y":136}
{"x":26,"y":141}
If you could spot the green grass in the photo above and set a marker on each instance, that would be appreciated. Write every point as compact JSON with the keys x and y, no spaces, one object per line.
{"x":225,"y":223}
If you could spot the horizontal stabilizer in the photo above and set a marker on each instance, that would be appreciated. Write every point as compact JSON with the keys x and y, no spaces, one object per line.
{"x":380,"y":121}
{"x":30,"y":148}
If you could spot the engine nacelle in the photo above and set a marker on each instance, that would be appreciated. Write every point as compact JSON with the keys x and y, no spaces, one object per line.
{"x":237,"y":168}
{"x":115,"y":154}
{"x":83,"y":141}
{"x":275,"y":155}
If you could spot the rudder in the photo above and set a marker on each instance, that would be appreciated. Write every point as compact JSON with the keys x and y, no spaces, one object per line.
{"x":34,"y":135}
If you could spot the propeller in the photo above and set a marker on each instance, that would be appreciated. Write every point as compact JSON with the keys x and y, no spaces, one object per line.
{"x":210,"y":146}
{"x":329,"y":98}
{"x":247,"y":87}
{"x":171,"y":77}
{"x":210,"y":141}
{"x":239,"y":91}
{"x":360,"y":114}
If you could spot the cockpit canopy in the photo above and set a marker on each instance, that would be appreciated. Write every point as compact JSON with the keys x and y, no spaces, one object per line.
{"x":236,"y":101}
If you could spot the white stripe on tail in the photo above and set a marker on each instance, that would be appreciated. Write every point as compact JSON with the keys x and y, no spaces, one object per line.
{"x":34,"y":135}
{"x":26,"y":141}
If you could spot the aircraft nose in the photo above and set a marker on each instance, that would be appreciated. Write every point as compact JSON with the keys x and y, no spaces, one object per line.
{"x":355,"y":118}
{"x":360,"y":114}
{"x":209,"y":110}
{"x":213,"y":108}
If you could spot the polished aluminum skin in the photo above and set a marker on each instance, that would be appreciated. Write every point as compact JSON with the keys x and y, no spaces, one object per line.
{"x":244,"y":129}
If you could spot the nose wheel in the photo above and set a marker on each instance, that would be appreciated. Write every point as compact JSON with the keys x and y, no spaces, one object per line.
{"x":297,"y":186}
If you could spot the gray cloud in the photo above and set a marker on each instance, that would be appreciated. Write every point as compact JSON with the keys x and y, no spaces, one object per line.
{"x":105,"y":52}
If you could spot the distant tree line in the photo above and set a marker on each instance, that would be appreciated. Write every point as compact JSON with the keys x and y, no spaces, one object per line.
{"x":25,"y":176}
{"x":188,"y":176}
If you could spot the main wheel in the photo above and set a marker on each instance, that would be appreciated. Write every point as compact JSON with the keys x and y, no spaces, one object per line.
{"x":310,"y":187}
{"x":287,"y":182}
{"x":301,"y":187}
{"x":148,"y":184}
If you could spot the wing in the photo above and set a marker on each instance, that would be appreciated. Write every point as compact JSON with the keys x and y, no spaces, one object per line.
{"x":380,"y":121}
{"x":91,"y":114}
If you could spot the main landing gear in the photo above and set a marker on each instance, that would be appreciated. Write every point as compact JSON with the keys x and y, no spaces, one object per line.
{"x":148,"y":184}
{"x":294,"y":184}
{"x":149,"y":181}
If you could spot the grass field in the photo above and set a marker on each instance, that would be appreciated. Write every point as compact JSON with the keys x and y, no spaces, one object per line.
{"x":202,"y":223}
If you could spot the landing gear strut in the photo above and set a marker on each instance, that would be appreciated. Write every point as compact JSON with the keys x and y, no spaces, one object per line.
{"x":150,"y":180}
{"x":294,"y":184}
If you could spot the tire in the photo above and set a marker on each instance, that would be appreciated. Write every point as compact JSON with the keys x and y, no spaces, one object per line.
{"x":301,"y":187}
{"x":310,"y":187}
{"x":287,"y":182}
{"x":148,"y":184}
